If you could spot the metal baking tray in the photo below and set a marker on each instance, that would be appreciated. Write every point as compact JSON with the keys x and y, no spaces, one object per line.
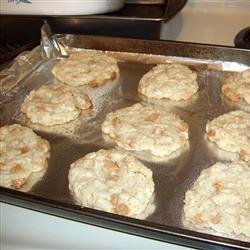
{"x":133,"y":20}
{"x":136,"y":57}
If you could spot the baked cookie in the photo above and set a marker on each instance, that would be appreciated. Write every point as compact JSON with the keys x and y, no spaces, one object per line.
{"x":219,"y":200}
{"x":55,"y":104}
{"x":22,"y":154}
{"x":236,"y":89}
{"x":112,"y":181}
{"x":229,"y":136}
{"x":86,"y":68}
{"x":147,"y":129}
{"x":174,"y":82}
{"x":68,"y":129}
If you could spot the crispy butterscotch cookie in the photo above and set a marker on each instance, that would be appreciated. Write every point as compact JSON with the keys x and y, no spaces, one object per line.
{"x":236,"y":90}
{"x":55,"y":104}
{"x":173,"y":82}
{"x":86,"y":68}
{"x":147,"y":129}
{"x":22,"y":154}
{"x":219,"y":201}
{"x":112,"y":181}
{"x":229,"y":136}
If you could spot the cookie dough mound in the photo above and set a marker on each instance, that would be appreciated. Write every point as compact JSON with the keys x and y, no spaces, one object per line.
{"x":175,"y":82}
{"x":147,"y":129}
{"x":112,"y":181}
{"x":219,"y":200}
{"x":86,"y":68}
{"x":229,"y":136}
{"x":236,"y":89}
{"x":22,"y":154}
{"x":55,"y":104}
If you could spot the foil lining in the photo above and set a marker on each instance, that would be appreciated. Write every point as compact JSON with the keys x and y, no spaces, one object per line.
{"x":51,"y":46}
{"x":172,"y":179}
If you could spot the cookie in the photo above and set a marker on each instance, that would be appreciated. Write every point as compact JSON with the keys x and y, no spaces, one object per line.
{"x":68,"y":129}
{"x":167,"y":103}
{"x":174,"y":82}
{"x":229,"y":136}
{"x":23,"y":153}
{"x":112,"y":181}
{"x":219,"y":201}
{"x":55,"y":104}
{"x":86,"y":68}
{"x":236,"y":90}
{"x":147,"y":129}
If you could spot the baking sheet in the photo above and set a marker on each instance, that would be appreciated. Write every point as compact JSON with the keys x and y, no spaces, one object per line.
{"x":172,"y":179}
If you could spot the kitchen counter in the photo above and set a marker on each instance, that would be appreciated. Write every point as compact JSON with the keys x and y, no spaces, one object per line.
{"x":23,"y":229}
{"x":208,"y":22}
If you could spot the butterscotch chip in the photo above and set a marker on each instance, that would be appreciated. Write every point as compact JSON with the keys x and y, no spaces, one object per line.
{"x":152,"y":117}
{"x":24,"y":150}
{"x":86,"y":68}
{"x":147,"y":129}
{"x":23,"y":153}
{"x":229,"y":135}
{"x":111,"y":167}
{"x":116,"y":122}
{"x":122,"y":209}
{"x":237,"y":90}
{"x":15,"y":169}
{"x":55,"y":104}
{"x":172,"y":81}
{"x":92,"y":183}
{"x":219,"y":200}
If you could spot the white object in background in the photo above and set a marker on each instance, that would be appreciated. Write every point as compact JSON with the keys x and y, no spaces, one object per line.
{"x":59,"y":7}
{"x":23,"y":229}
{"x":209,"y":22}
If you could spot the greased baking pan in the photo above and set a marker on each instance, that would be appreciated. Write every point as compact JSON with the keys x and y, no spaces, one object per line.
{"x":172,"y":179}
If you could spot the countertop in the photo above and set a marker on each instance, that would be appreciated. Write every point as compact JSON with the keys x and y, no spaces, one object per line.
{"x":23,"y":229}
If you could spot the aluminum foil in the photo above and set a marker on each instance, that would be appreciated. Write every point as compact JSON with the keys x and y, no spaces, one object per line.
{"x":28,"y":61}
{"x":172,"y":179}
{"x":51,"y":46}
